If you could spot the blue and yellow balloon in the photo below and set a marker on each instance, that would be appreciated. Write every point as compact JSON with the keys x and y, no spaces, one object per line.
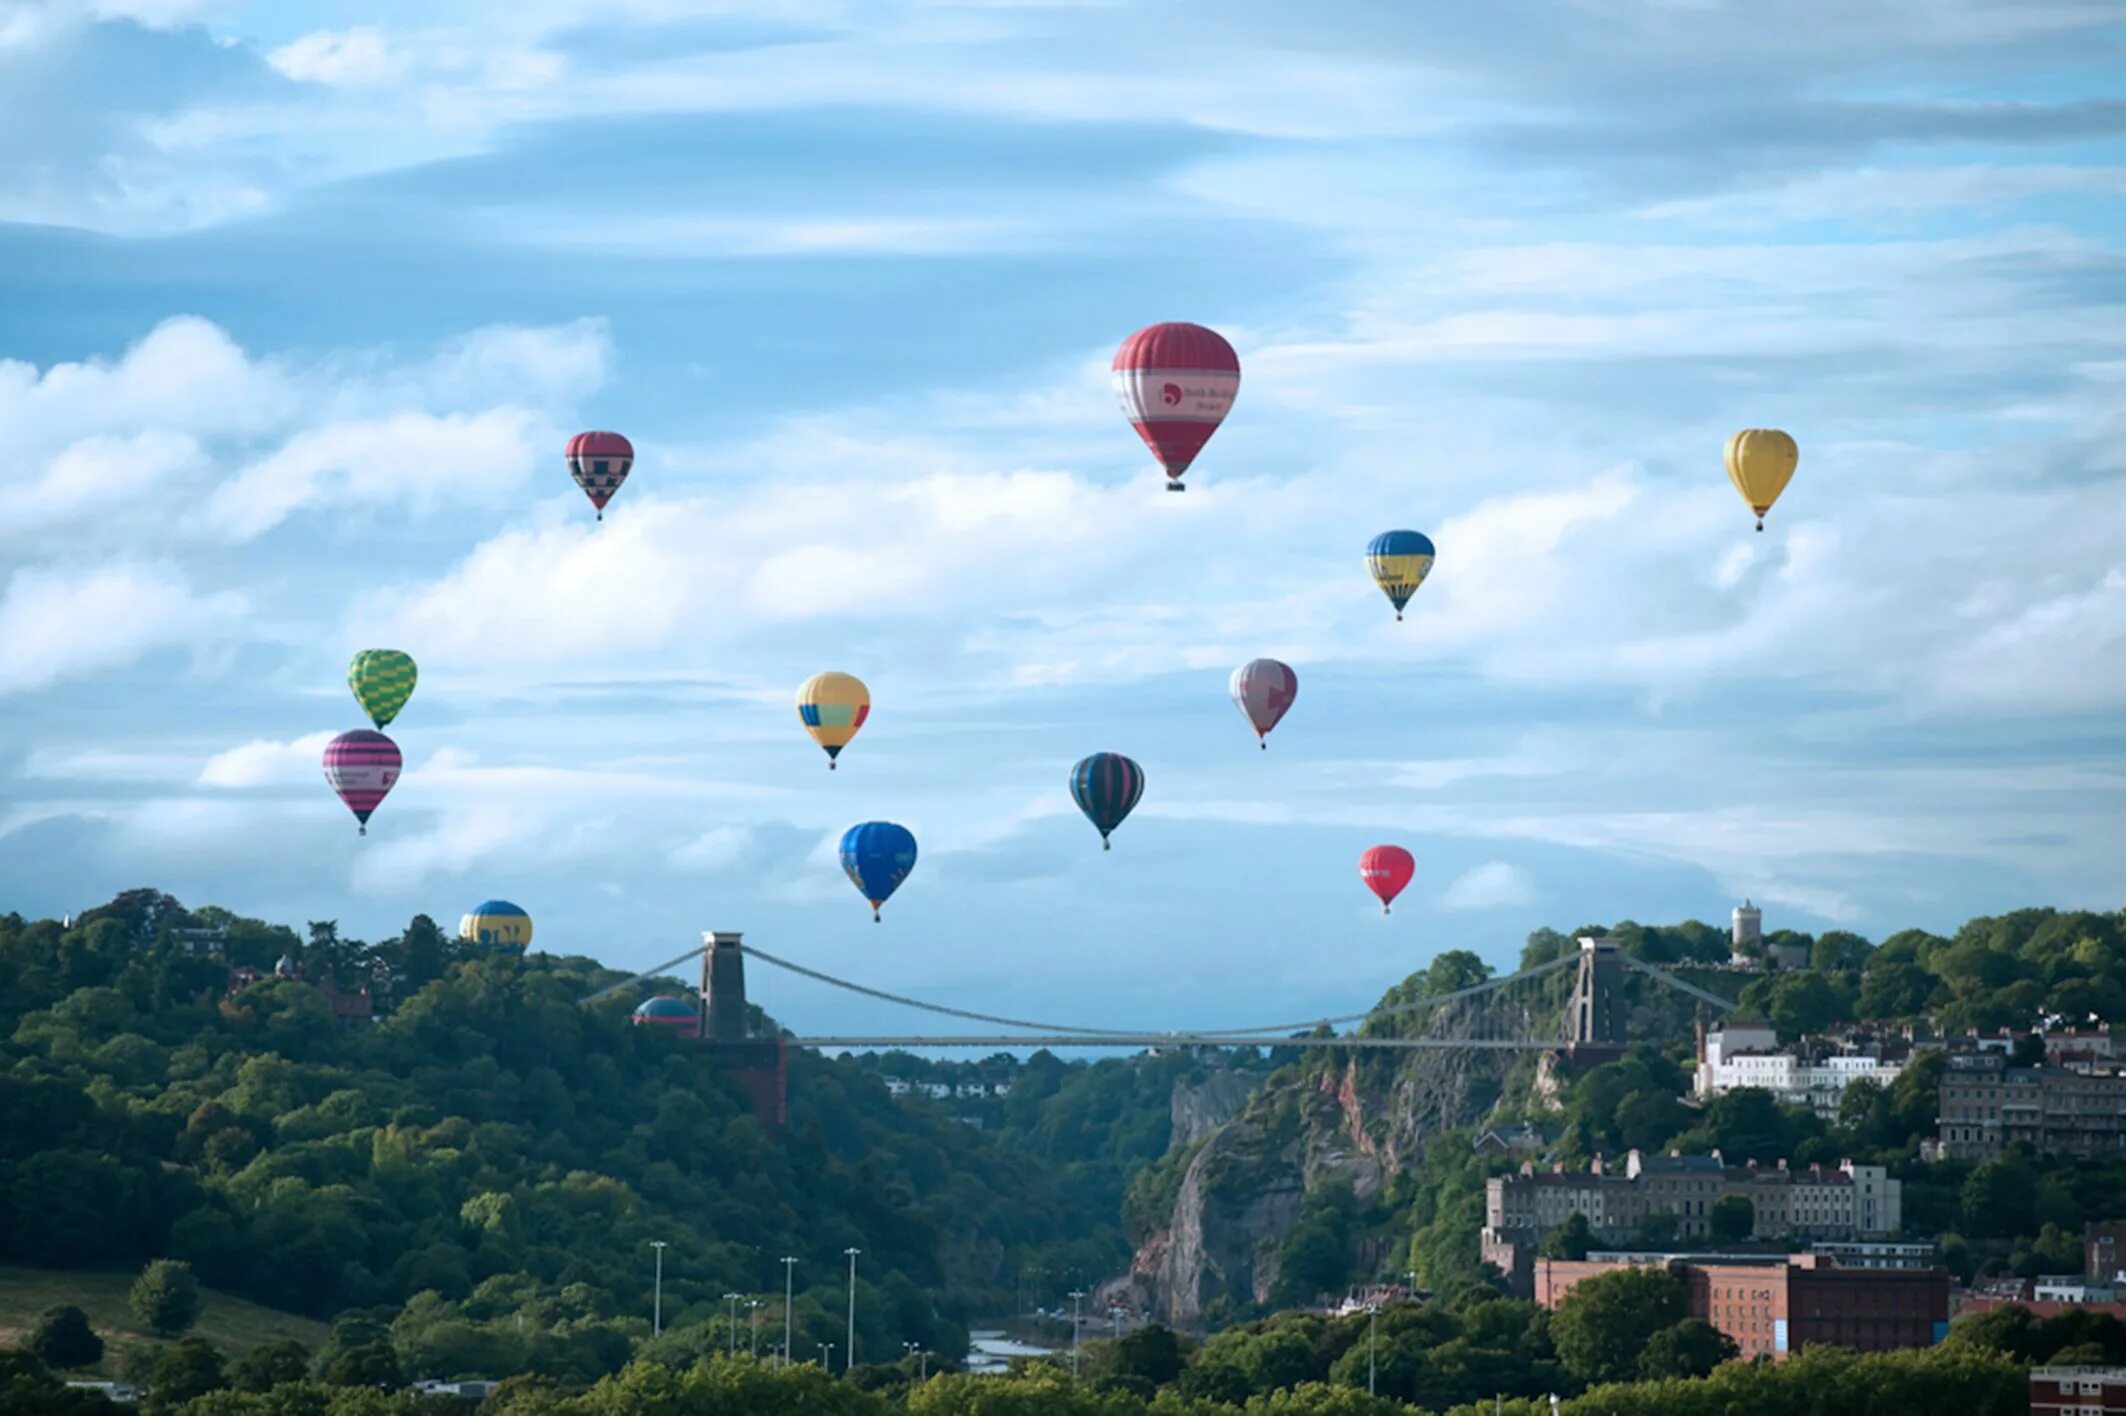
{"x":497,"y":924}
{"x":878,"y":856}
{"x":1400,"y":561}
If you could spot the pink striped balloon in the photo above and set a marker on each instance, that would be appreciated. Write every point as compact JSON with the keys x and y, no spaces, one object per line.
{"x":361,"y":766}
{"x":1263,"y":689}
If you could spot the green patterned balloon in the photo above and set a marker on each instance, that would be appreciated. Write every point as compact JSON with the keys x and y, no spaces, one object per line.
{"x":382,"y":680}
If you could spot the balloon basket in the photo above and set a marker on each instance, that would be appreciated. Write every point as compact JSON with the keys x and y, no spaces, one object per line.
{"x":1175,"y":487}
{"x":1106,"y":845}
{"x":361,"y":830}
{"x":1760,"y":523}
{"x":830,"y":764}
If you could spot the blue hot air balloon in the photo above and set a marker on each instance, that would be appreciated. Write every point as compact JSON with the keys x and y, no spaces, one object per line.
{"x":1400,"y":561}
{"x":1106,"y":786}
{"x":878,"y":856}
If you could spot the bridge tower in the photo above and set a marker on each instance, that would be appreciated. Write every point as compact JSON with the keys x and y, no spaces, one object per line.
{"x":758,"y":1063}
{"x":1598,"y":1008}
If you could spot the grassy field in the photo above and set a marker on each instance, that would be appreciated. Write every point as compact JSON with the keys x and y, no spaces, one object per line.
{"x":229,"y":1323}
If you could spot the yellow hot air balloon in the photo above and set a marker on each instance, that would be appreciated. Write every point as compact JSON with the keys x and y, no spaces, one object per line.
{"x":1760,"y":462}
{"x":832,"y":707}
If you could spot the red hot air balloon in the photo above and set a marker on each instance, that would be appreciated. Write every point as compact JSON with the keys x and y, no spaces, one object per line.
{"x":361,"y":766}
{"x":1176,"y":382}
{"x":1386,"y":870}
{"x":1263,"y":689}
{"x":599,"y":462}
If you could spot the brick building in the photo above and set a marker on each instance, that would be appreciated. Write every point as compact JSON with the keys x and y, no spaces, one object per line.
{"x":2078,"y":1391}
{"x":1987,"y":1106}
{"x":1781,"y":1304}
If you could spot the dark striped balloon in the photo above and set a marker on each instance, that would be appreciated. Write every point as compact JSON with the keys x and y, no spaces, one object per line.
{"x":1106,"y":787}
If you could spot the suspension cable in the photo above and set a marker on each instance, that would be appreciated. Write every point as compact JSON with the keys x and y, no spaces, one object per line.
{"x":907,"y":1002}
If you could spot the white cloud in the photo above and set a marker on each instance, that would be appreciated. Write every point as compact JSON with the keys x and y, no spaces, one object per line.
{"x":266,"y":763}
{"x":1494,"y":885}
{"x":133,"y":447}
{"x":351,"y":58}
{"x":99,"y":474}
{"x":412,"y":459}
{"x":713,"y":851}
{"x":61,"y":624}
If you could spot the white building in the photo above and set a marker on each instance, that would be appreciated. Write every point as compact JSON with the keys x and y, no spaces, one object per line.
{"x":1748,"y":1054}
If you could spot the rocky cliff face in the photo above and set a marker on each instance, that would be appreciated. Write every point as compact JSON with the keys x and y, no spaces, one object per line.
{"x":1243,"y":1190}
{"x":1202,"y":1108}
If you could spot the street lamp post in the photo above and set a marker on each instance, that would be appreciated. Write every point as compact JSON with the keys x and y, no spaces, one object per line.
{"x":753,"y":1316}
{"x":1077,"y":1299}
{"x":827,"y":1357}
{"x":850,"y":1360}
{"x":657,"y":1303}
{"x":1372,"y":1342}
{"x":730,"y":1346}
{"x":789,"y":1266}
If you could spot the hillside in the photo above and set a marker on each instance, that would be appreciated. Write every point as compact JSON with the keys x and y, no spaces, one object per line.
{"x":1348,"y":1168}
{"x":484,"y":1167}
{"x":230,"y":1323}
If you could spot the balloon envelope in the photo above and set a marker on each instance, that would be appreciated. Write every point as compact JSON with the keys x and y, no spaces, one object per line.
{"x":600,"y":462}
{"x":1106,"y":787}
{"x":362,"y":766}
{"x":497,"y":924}
{"x":1263,"y":689}
{"x":1176,"y":382}
{"x":382,"y":680}
{"x":878,"y":856}
{"x":1386,"y":870}
{"x":1760,"y":462}
{"x":1400,"y":561}
{"x":832,"y":707}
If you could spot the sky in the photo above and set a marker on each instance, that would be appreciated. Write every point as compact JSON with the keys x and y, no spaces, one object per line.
{"x":299,"y":304}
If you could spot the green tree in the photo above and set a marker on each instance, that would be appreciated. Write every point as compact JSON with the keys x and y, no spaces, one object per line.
{"x":1733,"y":1218}
{"x":1839,"y":951}
{"x":1606,"y":1321}
{"x":270,"y":1364}
{"x":165,"y":1298}
{"x":1153,"y":1352}
{"x":63,"y":1338}
{"x":2000,"y":1199}
{"x":187,"y":1368}
{"x":1571,"y":1239}
{"x":370,"y":1364}
{"x":1691,"y":1348}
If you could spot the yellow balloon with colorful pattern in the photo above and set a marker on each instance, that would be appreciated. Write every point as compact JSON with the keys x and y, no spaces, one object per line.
{"x":832,"y":706}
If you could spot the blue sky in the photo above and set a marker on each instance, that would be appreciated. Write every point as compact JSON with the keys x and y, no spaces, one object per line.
{"x":298,"y":304}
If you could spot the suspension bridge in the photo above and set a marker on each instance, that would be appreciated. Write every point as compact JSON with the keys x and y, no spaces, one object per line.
{"x":1574,"y":1004}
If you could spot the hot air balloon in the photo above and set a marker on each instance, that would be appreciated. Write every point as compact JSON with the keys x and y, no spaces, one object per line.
{"x":1760,"y":462}
{"x":382,"y":680}
{"x":878,"y":856}
{"x":1400,"y":561}
{"x":1106,"y":786}
{"x":1176,"y":382}
{"x":1386,"y":870}
{"x":1264,"y":690}
{"x":676,"y":1015}
{"x":497,"y":924}
{"x":599,"y":462}
{"x":832,"y":707}
{"x":361,"y":766}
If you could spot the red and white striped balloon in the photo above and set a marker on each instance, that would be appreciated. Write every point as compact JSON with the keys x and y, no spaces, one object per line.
{"x":1176,"y":382}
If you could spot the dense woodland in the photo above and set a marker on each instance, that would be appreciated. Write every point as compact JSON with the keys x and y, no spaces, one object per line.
{"x":485,"y":1166}
{"x":470,"y":1184}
